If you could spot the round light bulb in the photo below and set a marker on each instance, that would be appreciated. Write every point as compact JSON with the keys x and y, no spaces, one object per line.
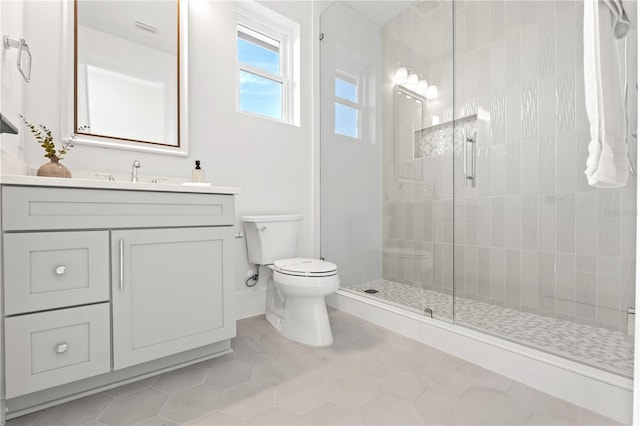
{"x":412,"y":80}
{"x":401,"y":75}
{"x":432,"y":92}
{"x":423,"y":85}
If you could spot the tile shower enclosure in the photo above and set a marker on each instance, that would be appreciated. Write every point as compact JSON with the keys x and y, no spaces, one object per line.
{"x":532,"y":235}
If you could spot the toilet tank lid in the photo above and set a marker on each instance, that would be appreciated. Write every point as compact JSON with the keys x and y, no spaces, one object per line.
{"x":272,"y":218}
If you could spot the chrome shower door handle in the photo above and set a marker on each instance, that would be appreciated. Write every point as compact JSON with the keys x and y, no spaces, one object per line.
{"x":466,"y":139}
{"x":464,"y":156}
{"x":474,"y":158}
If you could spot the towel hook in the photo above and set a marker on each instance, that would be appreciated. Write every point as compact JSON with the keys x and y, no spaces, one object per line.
{"x":22,"y":46}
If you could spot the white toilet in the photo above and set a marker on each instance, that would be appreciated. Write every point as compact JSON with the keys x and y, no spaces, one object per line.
{"x":296,"y":291}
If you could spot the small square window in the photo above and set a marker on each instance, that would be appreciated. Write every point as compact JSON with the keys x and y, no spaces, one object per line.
{"x":348,"y":105}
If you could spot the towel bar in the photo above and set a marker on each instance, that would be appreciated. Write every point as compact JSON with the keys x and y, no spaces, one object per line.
{"x":22,"y":46}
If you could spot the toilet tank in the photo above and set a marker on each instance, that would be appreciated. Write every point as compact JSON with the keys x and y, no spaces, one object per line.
{"x":270,"y":238}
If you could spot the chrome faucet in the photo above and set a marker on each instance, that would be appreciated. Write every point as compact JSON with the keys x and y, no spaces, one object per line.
{"x":134,"y":171}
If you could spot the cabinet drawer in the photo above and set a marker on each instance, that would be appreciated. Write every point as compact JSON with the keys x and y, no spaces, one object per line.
{"x":52,"y":348}
{"x":35,"y":208}
{"x":47,"y":270}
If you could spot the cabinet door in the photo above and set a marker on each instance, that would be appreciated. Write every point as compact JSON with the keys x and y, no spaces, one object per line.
{"x":172,"y":291}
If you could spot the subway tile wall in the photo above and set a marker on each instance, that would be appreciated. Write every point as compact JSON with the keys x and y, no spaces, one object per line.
{"x":532,"y":235}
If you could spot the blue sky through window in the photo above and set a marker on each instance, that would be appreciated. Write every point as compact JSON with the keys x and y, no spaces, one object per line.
{"x":346,"y":90}
{"x":346,"y":120}
{"x":259,"y":95}
{"x":258,"y":56}
{"x":346,"y":116}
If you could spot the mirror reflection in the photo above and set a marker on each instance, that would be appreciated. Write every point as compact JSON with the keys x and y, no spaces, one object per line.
{"x":126,"y":70}
{"x":409,"y":122}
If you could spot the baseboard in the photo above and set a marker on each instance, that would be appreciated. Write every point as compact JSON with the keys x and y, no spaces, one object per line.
{"x":40,"y":400}
{"x":607,"y":394}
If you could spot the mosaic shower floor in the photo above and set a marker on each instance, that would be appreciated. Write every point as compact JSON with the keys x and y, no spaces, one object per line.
{"x":605,"y":349}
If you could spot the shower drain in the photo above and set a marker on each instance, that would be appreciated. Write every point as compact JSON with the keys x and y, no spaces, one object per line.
{"x":371,"y":291}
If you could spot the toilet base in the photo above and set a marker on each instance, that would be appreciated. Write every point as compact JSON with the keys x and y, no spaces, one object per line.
{"x":306,"y":321}
{"x":275,"y":321}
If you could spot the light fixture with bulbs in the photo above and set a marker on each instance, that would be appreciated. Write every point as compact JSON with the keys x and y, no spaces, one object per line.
{"x":409,"y":79}
{"x":423,"y":86}
{"x":412,"y":81}
{"x":401,"y":76}
{"x":432,"y":92}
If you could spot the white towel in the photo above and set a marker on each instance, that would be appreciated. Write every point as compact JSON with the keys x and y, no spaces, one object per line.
{"x":619,"y":21}
{"x":608,"y":163}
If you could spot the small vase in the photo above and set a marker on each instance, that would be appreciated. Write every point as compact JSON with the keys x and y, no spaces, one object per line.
{"x":54,"y":169}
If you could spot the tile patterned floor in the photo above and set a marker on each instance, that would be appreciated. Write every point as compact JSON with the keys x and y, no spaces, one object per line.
{"x":609,"y":350}
{"x":370,"y":376}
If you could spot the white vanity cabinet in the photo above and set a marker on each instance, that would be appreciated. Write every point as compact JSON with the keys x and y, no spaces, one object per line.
{"x":168,"y":290}
{"x":103,"y":285}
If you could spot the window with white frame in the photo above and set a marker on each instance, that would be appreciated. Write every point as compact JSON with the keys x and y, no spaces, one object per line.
{"x":267,"y":63}
{"x":348,"y":106}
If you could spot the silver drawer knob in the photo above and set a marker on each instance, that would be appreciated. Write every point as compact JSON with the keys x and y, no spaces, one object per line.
{"x":61,"y":348}
{"x":60,"y":270}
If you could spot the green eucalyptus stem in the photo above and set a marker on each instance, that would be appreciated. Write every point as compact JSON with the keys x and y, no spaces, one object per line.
{"x":44,"y":137}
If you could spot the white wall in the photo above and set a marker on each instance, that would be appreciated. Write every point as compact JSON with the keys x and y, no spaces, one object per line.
{"x":270,"y":161}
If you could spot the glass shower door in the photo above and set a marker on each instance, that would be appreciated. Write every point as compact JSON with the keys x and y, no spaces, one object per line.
{"x":386,"y":153}
{"x":541,"y":257}
{"x":350,"y":169}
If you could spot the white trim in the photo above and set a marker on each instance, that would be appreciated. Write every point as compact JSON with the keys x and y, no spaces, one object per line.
{"x":67,"y":91}
{"x":262,"y":73}
{"x":636,"y":361}
{"x":260,"y":38}
{"x":261,"y":19}
{"x":604,"y":393}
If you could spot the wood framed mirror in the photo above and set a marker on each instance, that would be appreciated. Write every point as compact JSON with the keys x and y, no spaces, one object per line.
{"x":128,"y":57}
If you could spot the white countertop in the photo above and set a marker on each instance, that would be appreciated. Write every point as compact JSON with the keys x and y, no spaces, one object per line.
{"x":120,"y":185}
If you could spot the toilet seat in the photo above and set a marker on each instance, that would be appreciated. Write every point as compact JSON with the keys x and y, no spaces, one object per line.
{"x":303,"y":267}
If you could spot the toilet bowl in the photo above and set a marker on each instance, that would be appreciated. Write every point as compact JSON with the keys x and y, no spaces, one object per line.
{"x":305,"y":283}
{"x":298,"y":286}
